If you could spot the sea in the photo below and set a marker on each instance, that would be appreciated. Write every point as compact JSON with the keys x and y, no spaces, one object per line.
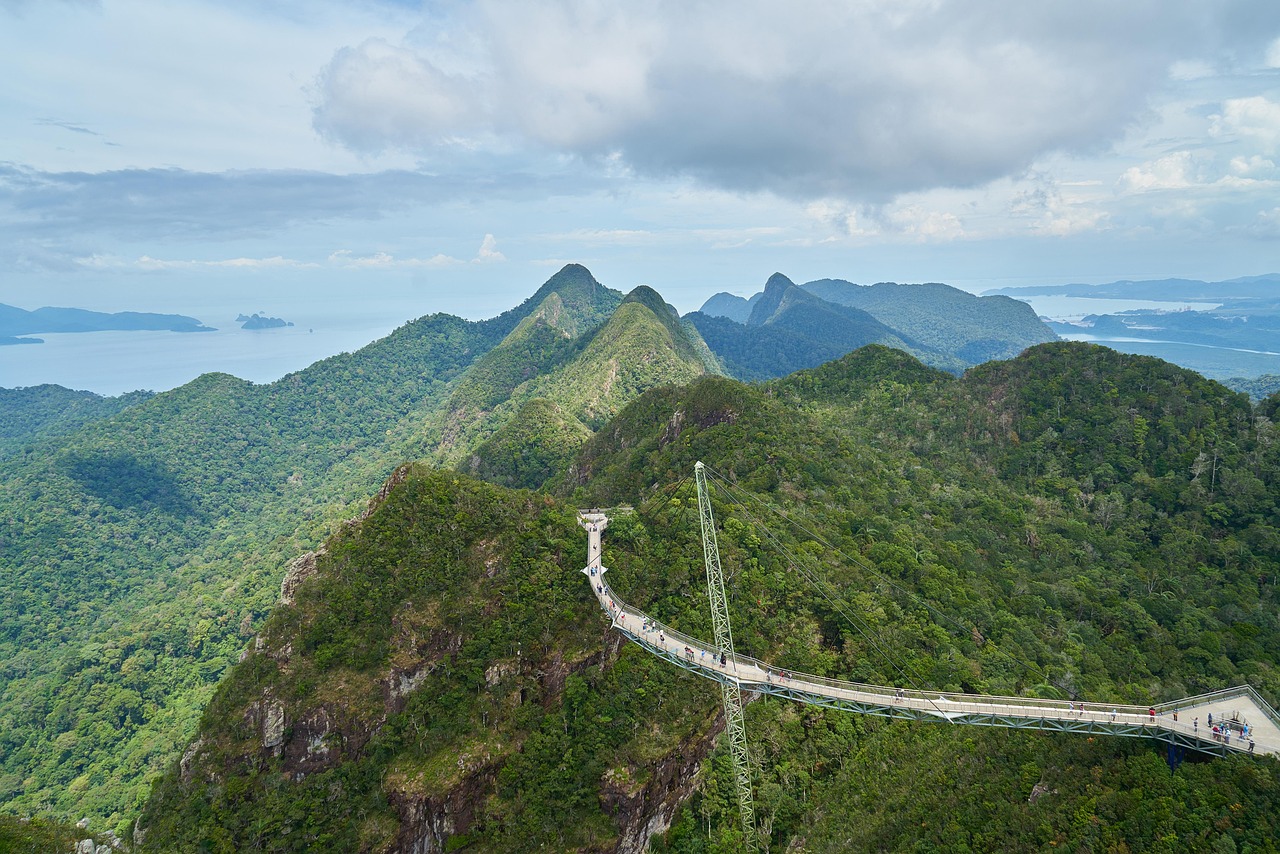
{"x":112,"y":363}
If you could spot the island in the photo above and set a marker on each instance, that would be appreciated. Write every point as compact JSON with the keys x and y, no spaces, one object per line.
{"x":261,"y":321}
{"x":15,"y":322}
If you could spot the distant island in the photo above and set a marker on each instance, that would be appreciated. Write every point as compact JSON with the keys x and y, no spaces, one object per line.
{"x":15,"y":322}
{"x":1265,"y":288}
{"x":1234,"y":337}
{"x":261,"y":321}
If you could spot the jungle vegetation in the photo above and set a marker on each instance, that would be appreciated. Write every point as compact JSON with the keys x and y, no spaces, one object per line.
{"x":1071,"y":523}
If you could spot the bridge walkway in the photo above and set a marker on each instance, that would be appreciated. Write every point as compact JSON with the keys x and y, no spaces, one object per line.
{"x":1182,"y":723}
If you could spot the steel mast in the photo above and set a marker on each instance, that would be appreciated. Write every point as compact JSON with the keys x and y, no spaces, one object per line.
{"x":730,"y":690}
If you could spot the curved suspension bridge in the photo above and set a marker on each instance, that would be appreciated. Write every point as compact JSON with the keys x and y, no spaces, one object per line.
{"x":1245,"y":721}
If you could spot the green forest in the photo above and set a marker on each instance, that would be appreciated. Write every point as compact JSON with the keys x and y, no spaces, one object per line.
{"x":1073,"y":523}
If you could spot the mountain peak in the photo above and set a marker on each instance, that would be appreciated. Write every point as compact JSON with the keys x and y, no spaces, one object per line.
{"x":651,"y":299}
{"x":582,"y":296}
{"x":777,"y":281}
{"x":776,"y":290}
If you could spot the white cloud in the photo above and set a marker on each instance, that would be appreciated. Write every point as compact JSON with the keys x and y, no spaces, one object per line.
{"x":377,"y":95}
{"x":810,"y":99}
{"x":1256,"y":118}
{"x":1265,"y":225}
{"x":1196,"y":69}
{"x":345,"y":259}
{"x":488,"y":252}
{"x":1254,"y":166}
{"x":1273,"y":54}
{"x":148,"y":263}
{"x":1171,"y":172}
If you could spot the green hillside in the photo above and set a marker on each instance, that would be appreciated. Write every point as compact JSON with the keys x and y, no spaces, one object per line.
{"x":789,"y":329}
{"x":972,"y":328}
{"x":140,"y":550}
{"x":589,"y":379}
{"x":1074,"y":523}
{"x":45,"y":411}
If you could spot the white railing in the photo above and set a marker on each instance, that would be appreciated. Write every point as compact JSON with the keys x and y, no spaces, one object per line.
{"x":943,"y":703}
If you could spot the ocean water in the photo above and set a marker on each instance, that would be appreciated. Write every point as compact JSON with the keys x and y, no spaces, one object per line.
{"x":112,"y":363}
{"x":1071,"y":309}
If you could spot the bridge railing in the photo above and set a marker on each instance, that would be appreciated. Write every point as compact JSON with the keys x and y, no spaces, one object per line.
{"x":943,"y":701}
{"x":1129,"y":718}
{"x":1226,"y":695}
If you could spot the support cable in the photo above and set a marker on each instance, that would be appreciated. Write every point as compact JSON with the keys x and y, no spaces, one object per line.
{"x":830,"y":595}
{"x":817,"y":537}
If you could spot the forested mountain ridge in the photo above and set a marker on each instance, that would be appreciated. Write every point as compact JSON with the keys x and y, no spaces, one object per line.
{"x":972,"y":328}
{"x":139,"y":550}
{"x":787,"y":327}
{"x":43,"y":411}
{"x":1073,"y":523}
{"x":16,"y":321}
{"x":642,"y":344}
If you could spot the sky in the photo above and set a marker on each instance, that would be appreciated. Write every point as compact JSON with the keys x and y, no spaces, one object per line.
{"x":170,"y":156}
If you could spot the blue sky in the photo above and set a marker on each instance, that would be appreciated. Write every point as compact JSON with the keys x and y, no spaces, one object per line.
{"x":166,"y":156}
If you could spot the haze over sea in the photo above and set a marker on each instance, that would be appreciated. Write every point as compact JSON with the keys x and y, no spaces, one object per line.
{"x":112,"y":363}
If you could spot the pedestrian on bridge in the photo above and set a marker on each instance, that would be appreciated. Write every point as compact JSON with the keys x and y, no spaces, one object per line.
{"x":1195,"y":724}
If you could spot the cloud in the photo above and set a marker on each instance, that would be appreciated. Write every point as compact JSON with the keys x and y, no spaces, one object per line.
{"x":488,"y":252}
{"x":1266,"y":225}
{"x":1256,"y":118}
{"x":74,"y":128}
{"x":165,"y":203}
{"x":815,"y":98}
{"x":148,"y":264}
{"x":385,"y":261}
{"x":1172,"y":172}
{"x":376,"y":96}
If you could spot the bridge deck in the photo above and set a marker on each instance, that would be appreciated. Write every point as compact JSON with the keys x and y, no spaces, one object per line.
{"x":1184,"y":723}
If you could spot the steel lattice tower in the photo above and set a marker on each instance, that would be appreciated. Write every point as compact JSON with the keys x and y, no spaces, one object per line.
{"x":735,"y":726}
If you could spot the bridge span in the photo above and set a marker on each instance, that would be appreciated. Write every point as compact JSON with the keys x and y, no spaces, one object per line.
{"x":1182,"y":724}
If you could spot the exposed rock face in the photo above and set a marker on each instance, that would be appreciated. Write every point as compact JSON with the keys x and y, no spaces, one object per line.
{"x":426,"y":824}
{"x":302,"y":568}
{"x":640,"y":810}
{"x":648,"y":810}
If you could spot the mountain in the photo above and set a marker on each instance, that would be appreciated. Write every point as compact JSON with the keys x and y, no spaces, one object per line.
{"x":141,"y":548}
{"x":789,"y":329}
{"x":588,"y":377}
{"x":1258,"y":388}
{"x":1072,"y":523}
{"x":16,"y":321}
{"x":736,"y":308}
{"x":971,"y":328}
{"x":44,"y":411}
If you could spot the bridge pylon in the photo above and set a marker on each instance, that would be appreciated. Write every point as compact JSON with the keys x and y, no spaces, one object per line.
{"x":731,"y":691}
